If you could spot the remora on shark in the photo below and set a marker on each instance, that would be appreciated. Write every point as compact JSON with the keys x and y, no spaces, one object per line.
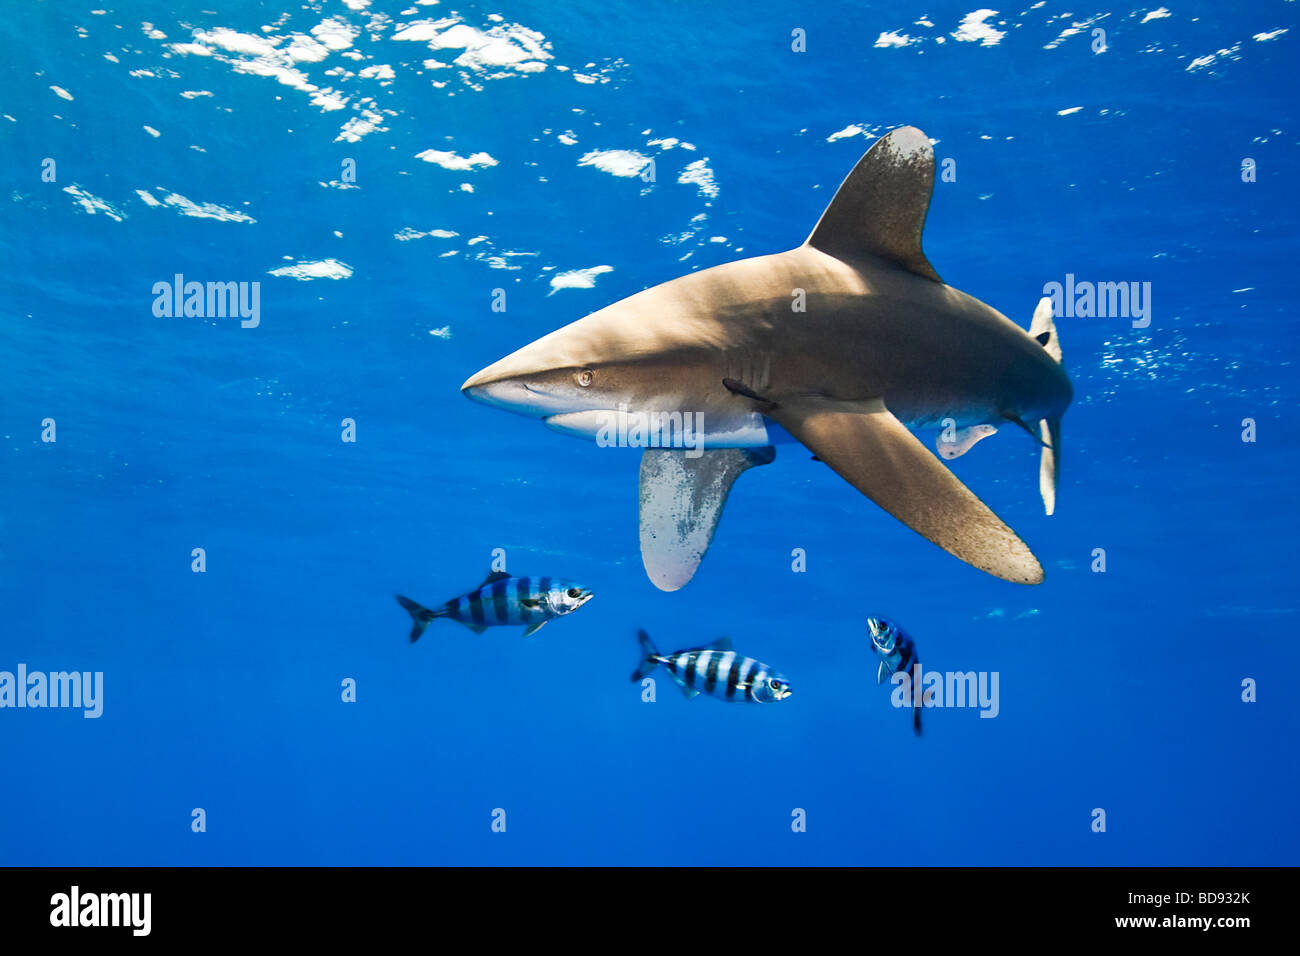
{"x":883,"y":344}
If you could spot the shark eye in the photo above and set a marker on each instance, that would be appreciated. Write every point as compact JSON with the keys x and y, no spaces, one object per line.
{"x":574,"y":592}
{"x":583,"y":378}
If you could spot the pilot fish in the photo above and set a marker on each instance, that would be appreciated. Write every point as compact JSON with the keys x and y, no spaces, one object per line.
{"x":897,"y":652}
{"x":502,"y":599}
{"x":715,"y":669}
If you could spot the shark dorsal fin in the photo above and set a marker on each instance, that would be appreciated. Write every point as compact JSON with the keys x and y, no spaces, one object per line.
{"x":880,"y":208}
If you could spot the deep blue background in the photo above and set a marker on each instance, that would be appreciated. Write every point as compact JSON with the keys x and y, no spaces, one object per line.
{"x":1118,"y":690}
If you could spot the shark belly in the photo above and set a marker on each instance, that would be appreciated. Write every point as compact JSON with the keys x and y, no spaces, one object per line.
{"x":687,"y":428}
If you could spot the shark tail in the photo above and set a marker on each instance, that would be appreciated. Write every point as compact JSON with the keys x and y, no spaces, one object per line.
{"x":1043,"y":328}
{"x":1049,"y":468}
{"x":420,"y":614}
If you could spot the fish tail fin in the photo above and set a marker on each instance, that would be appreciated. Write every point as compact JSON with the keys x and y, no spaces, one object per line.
{"x":649,"y":656}
{"x":1043,"y":328}
{"x":420,"y":614}
{"x":1049,"y":468}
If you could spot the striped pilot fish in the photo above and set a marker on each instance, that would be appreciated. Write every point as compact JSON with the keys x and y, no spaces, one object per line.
{"x":501,"y":599}
{"x":897,"y":652}
{"x":717,"y":670}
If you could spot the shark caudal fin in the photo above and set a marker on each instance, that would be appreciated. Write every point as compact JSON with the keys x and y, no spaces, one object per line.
{"x":1043,"y":329}
{"x":681,"y":500}
{"x":420,"y":614}
{"x":1049,"y":467}
{"x":649,"y":657}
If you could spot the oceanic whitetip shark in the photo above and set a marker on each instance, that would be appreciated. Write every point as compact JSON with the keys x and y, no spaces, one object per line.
{"x":843,"y":343}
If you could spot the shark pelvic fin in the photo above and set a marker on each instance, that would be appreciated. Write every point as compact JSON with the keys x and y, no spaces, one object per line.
{"x":681,"y":500}
{"x":880,"y":208}
{"x":874,"y":452}
{"x":963,"y":440}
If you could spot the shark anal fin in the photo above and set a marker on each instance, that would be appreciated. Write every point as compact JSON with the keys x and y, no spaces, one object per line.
{"x":963,"y":440}
{"x":681,"y":500}
{"x":880,"y":207}
{"x":874,"y":452}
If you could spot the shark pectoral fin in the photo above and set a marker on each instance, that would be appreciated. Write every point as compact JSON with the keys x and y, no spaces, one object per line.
{"x":963,"y":440}
{"x":681,"y":500}
{"x":880,"y":207}
{"x":1049,"y":468}
{"x":874,"y":452}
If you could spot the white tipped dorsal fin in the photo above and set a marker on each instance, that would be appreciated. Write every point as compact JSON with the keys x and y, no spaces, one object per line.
{"x":880,"y":207}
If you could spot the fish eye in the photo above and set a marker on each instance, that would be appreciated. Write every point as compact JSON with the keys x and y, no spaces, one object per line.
{"x":574,"y":592}
{"x":776,"y":684}
{"x":583,"y":378}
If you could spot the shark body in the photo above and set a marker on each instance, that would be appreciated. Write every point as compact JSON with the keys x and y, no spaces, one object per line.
{"x":841,"y":344}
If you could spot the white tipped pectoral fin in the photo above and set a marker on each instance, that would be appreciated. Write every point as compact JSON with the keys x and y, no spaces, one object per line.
{"x":874,"y":452}
{"x":681,"y":499}
{"x":962,"y":440}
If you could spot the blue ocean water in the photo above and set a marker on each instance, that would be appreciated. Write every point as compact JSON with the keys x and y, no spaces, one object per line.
{"x":382,"y":170}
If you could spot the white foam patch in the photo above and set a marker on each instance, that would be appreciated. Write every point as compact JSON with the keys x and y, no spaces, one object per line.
{"x":495,"y":51}
{"x":194,"y":94}
{"x":305,"y":271}
{"x":409,"y":233}
{"x":91,"y":204}
{"x":195,"y":210}
{"x":152,"y":132}
{"x":1159,"y":14}
{"x":578,"y":278}
{"x":1201,"y":62}
{"x":1265,"y":37}
{"x":848,"y":131}
{"x":617,"y":162}
{"x":1067,"y":112}
{"x":973,"y":29}
{"x":60,"y":91}
{"x":699,"y":175}
{"x":891,"y":38}
{"x":1073,"y":30}
{"x":449,"y":160}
